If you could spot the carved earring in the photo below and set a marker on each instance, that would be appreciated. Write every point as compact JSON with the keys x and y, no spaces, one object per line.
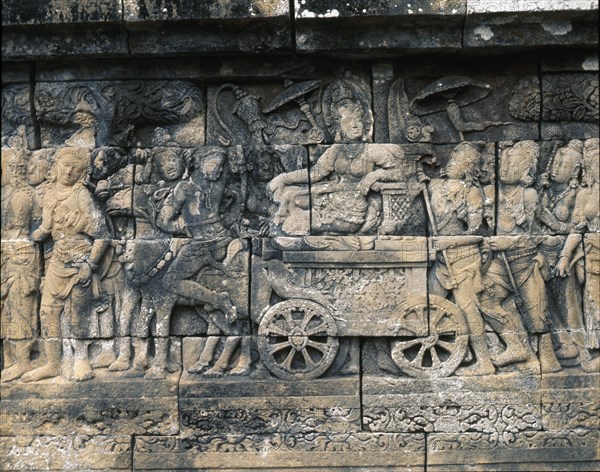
{"x":338,"y":136}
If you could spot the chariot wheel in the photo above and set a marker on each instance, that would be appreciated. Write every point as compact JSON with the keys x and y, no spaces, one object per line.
{"x":297,"y":339}
{"x":440,"y":352}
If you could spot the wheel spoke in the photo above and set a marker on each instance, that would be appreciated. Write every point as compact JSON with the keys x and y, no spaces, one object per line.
{"x":320,"y":328}
{"x":318,"y":346}
{"x":436,"y":362}
{"x":289,"y":320}
{"x":418,"y":360}
{"x":446,"y":345}
{"x":407,"y":344}
{"x":308,"y":316}
{"x":275,"y":330}
{"x":273,"y":348}
{"x":310,"y":364}
{"x":287,"y":363}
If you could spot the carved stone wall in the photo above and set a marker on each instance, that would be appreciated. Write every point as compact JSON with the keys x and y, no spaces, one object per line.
{"x":299,"y":236}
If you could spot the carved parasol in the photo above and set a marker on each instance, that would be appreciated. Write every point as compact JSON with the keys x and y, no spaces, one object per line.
{"x":436,"y":95}
{"x":450,"y":94}
{"x":296,"y":92}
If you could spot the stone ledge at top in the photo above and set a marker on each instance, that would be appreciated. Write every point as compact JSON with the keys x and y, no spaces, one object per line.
{"x":305,"y":9}
{"x":53,"y":29}
{"x":528,"y":6}
{"x":173,"y":10}
{"x":55,"y":12}
{"x":56,"y":29}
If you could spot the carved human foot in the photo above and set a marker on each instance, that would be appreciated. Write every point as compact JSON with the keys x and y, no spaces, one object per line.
{"x":242,"y":368}
{"x":214,"y":372}
{"x":13,"y":372}
{"x":591,"y":365}
{"x":105,"y":359}
{"x":82,"y":370}
{"x":45,"y":372}
{"x":121,"y":364}
{"x":507,"y":358}
{"x":198,"y":367}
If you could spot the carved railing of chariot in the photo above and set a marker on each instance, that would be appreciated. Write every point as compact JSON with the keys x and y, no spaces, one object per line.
{"x":301,"y":339}
{"x":398,"y":199}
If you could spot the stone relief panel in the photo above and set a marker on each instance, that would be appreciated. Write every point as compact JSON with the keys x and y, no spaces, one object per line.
{"x":307,"y":288}
{"x":448,"y":103}
{"x":569,"y":106}
{"x":17,"y":112}
{"x":178,"y":189}
{"x":324,"y":275}
{"x":301,"y":112}
{"x":119,"y":113}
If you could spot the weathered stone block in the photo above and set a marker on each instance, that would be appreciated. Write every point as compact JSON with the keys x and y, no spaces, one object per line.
{"x":515,"y":6}
{"x":46,"y":12}
{"x":535,"y":450}
{"x":120,"y":113}
{"x":157,"y":10}
{"x":570,"y":106}
{"x":79,"y":452}
{"x":17,"y":116}
{"x":580,"y":61}
{"x":108,"y":405}
{"x":455,"y":101}
{"x":429,"y":402}
{"x":257,"y":403}
{"x":64,"y":41}
{"x":516,"y":23}
{"x":374,"y":26}
{"x":317,"y":275}
{"x":357,"y":189}
{"x":377,"y":451}
{"x":570,"y":400}
{"x":304,"y":112}
{"x":377,"y":8}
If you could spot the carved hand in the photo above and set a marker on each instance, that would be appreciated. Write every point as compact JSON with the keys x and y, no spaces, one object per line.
{"x":276,"y":185}
{"x":365,"y":184}
{"x":501,"y":243}
{"x":562,"y":267}
{"x":39,"y":235}
{"x":84,"y":275}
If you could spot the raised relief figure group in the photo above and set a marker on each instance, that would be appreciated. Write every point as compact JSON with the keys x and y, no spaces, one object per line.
{"x":517,"y":253}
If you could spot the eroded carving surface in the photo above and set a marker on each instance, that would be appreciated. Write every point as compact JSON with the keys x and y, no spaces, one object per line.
{"x":320,"y":268}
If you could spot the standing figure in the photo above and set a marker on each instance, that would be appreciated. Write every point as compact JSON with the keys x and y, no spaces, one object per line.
{"x":517,"y":268}
{"x":20,"y":265}
{"x":457,"y":206}
{"x":564,"y":283}
{"x":586,"y":219}
{"x":71,"y":218}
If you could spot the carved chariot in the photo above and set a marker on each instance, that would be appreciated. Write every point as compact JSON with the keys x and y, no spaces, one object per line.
{"x":303,"y":339}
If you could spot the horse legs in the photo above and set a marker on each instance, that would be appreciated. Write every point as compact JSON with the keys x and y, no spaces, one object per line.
{"x":231,"y":343}
{"x":160,"y":366}
{"x":125,"y":315}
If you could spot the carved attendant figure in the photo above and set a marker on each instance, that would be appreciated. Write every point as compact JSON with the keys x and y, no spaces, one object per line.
{"x":457,"y":204}
{"x":20,"y":265}
{"x":564,"y":288}
{"x":586,"y":218}
{"x":517,"y":268}
{"x":74,"y":222}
